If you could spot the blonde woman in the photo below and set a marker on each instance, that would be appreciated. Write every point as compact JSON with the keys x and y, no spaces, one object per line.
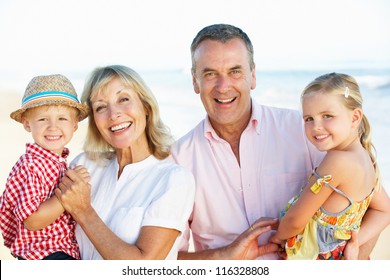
{"x":137,"y":202}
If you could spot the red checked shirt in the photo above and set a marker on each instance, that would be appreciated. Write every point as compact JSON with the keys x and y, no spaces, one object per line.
{"x":32,"y":181}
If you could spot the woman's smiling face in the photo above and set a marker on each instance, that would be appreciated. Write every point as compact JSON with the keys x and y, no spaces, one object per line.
{"x":120,"y":115}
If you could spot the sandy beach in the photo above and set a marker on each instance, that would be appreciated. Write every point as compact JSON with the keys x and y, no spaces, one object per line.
{"x":13,"y":145}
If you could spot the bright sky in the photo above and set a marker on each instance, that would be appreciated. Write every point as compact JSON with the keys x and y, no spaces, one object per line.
{"x":78,"y":35}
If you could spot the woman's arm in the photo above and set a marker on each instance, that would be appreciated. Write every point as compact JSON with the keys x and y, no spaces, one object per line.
{"x":152,"y":243}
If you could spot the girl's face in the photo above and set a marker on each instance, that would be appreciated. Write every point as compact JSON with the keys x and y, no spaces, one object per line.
{"x":329,"y":125}
{"x":52,"y":127}
{"x":120,"y":116}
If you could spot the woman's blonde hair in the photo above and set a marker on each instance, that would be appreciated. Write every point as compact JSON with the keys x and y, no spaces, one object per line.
{"x":157,"y":133}
{"x":347,"y":87}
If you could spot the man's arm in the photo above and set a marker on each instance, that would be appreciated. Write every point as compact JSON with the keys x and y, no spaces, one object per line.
{"x":375,"y":220}
{"x":244,"y":247}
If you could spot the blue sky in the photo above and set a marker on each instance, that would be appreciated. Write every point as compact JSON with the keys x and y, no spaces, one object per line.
{"x":77,"y":35}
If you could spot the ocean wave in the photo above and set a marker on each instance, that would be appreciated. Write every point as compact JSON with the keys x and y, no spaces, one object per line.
{"x":374,"y":81}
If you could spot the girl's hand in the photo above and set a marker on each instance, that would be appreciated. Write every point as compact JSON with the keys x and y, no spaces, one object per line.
{"x":275,"y":240}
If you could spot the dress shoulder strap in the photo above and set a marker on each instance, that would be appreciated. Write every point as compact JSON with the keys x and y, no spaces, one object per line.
{"x":330,"y":186}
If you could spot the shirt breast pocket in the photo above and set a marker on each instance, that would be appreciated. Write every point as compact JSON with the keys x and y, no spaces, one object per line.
{"x":280,"y":189}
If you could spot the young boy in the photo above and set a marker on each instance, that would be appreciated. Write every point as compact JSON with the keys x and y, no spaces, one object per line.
{"x":32,"y":220}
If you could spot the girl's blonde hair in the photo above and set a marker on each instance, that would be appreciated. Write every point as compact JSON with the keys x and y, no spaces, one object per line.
{"x":347,"y":87}
{"x":157,"y":133}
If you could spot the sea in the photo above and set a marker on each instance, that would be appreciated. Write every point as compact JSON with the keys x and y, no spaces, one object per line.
{"x":181,"y":109}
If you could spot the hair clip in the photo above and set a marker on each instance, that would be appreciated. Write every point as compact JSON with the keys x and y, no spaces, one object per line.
{"x":346,"y":92}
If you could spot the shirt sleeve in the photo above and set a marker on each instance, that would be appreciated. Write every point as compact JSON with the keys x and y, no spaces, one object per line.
{"x":174,"y":205}
{"x":26,"y":188}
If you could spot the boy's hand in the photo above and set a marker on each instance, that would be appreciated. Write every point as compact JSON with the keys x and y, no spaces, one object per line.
{"x":83,"y":172}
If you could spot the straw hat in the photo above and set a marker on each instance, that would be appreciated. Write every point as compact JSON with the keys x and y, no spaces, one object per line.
{"x":50,"y":90}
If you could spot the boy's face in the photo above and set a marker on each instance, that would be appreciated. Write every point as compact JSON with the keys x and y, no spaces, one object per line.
{"x":52,"y":127}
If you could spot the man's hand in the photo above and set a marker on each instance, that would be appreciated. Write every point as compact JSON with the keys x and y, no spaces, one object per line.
{"x":351,"y":250}
{"x":245,"y":246}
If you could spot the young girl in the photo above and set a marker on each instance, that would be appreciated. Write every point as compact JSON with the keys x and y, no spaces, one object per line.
{"x":344,"y":185}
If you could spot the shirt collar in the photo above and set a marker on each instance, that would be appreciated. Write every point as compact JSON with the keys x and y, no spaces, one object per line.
{"x":254,"y":123}
{"x":38,"y":150}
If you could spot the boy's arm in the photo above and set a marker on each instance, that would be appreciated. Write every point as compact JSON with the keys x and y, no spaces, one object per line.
{"x":51,"y":208}
{"x":46,"y":214}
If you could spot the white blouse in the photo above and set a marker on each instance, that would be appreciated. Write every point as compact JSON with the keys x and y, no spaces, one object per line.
{"x":148,"y":193}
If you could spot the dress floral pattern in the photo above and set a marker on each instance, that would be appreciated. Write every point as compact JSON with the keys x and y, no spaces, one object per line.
{"x":324,"y":237}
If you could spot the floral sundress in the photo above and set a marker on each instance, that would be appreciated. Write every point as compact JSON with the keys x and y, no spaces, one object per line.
{"x":324,"y":237}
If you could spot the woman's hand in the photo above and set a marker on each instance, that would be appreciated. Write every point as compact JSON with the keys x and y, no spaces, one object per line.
{"x":74,"y":191}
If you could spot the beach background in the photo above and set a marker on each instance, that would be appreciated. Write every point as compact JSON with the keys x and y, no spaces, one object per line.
{"x":294,"y":42}
{"x":181,"y":110}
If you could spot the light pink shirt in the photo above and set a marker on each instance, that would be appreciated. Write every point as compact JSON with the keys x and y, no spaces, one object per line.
{"x":275,"y":160}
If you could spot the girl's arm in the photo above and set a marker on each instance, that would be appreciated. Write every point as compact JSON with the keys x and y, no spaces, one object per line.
{"x":300,"y":213}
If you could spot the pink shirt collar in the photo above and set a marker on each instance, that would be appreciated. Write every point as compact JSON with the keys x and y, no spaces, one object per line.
{"x":254,"y":122}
